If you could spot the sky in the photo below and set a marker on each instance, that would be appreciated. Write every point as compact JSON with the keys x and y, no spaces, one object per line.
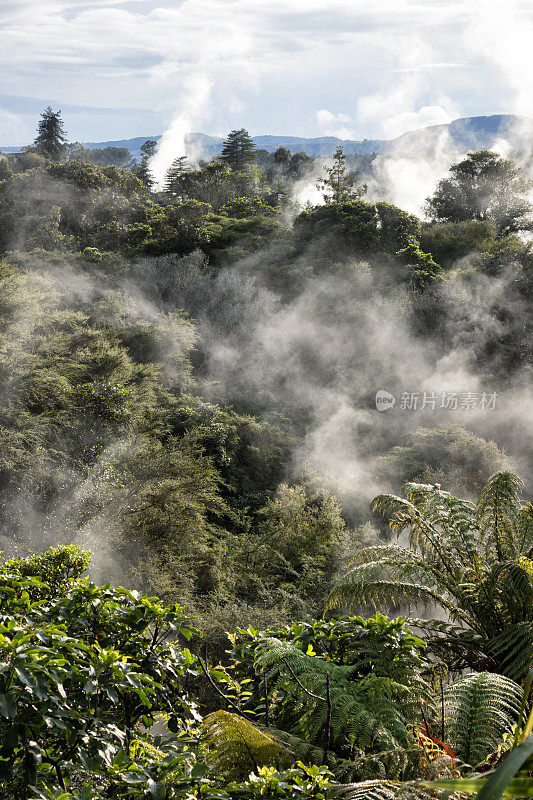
{"x":349,"y":68}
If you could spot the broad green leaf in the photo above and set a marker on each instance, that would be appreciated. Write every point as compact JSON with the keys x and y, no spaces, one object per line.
{"x":8,"y":706}
{"x":112,"y":694}
{"x":156,"y":790}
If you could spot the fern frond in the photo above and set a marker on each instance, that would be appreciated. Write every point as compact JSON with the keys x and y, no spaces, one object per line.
{"x":364,"y":712}
{"x":369,"y":790}
{"x":513,"y":649}
{"x":396,"y":764}
{"x":394,"y":790}
{"x":408,"y":565}
{"x":497,"y":513}
{"x":441,"y":527}
{"x":404,"y":515}
{"x":524,"y":526}
{"x":236,"y":746}
{"x":479,"y":709}
{"x":510,"y":588}
{"x":391,"y":505}
{"x":361,"y":587}
{"x":274,"y":656}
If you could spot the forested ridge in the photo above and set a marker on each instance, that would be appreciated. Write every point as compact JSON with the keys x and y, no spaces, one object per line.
{"x":322,"y":599}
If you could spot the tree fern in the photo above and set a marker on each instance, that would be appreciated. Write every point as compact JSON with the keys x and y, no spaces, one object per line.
{"x":497,"y":512}
{"x":314,"y":695}
{"x":396,"y":764}
{"x":365,"y":585}
{"x":236,"y":746}
{"x":478,"y":710}
{"x":473,"y":562}
{"x":513,"y":649}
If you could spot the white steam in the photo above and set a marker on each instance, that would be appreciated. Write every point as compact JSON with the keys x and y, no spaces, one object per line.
{"x":193,"y":110}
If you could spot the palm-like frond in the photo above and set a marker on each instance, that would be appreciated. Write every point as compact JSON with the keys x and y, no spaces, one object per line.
{"x":524,"y":525}
{"x":406,"y":565}
{"x":441,"y":527}
{"x":501,"y":595}
{"x":475,"y":562}
{"x":361,"y":713}
{"x":497,"y":513}
{"x":365,"y":585}
{"x":236,"y":746}
{"x":513,"y":650}
{"x":479,"y":709}
{"x":404,"y":515}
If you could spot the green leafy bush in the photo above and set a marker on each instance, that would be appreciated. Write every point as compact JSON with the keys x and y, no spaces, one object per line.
{"x":83,"y":670}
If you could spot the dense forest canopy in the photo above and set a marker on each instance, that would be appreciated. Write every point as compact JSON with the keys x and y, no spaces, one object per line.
{"x":188,"y":409}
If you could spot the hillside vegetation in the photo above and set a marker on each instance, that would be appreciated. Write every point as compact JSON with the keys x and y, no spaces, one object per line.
{"x":188,"y":411}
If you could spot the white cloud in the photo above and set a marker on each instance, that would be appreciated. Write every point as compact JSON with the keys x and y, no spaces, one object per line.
{"x":399,"y":61}
{"x":411,"y":120}
{"x":333,"y":124}
{"x":402,"y":105}
{"x":503,"y":34}
{"x":12,"y":128}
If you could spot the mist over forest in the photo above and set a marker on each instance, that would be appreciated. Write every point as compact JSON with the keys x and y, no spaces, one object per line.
{"x":284,"y":399}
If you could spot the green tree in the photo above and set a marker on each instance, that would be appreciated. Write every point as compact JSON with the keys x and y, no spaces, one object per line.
{"x":102,"y":156}
{"x":299,"y":163}
{"x":423,"y":269}
{"x":82,"y":668}
{"x":48,"y":232}
{"x":339,"y":186}
{"x":28,"y":159}
{"x":50,"y":140}
{"x":143,"y":170}
{"x":282,"y":156}
{"x":483,"y":187}
{"x":174,"y":183}
{"x":103,"y":207}
{"x":215,"y":183}
{"x":238,"y":150}
{"x":246,"y":207}
{"x":471,"y":561}
{"x":5,"y":170}
{"x":448,"y":242}
{"x":450,"y":455}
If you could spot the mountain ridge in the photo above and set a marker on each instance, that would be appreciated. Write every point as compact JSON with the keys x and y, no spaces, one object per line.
{"x":465,"y":133}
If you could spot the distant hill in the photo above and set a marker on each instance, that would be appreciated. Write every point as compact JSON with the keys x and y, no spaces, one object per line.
{"x":469,"y":133}
{"x":196,"y":142}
